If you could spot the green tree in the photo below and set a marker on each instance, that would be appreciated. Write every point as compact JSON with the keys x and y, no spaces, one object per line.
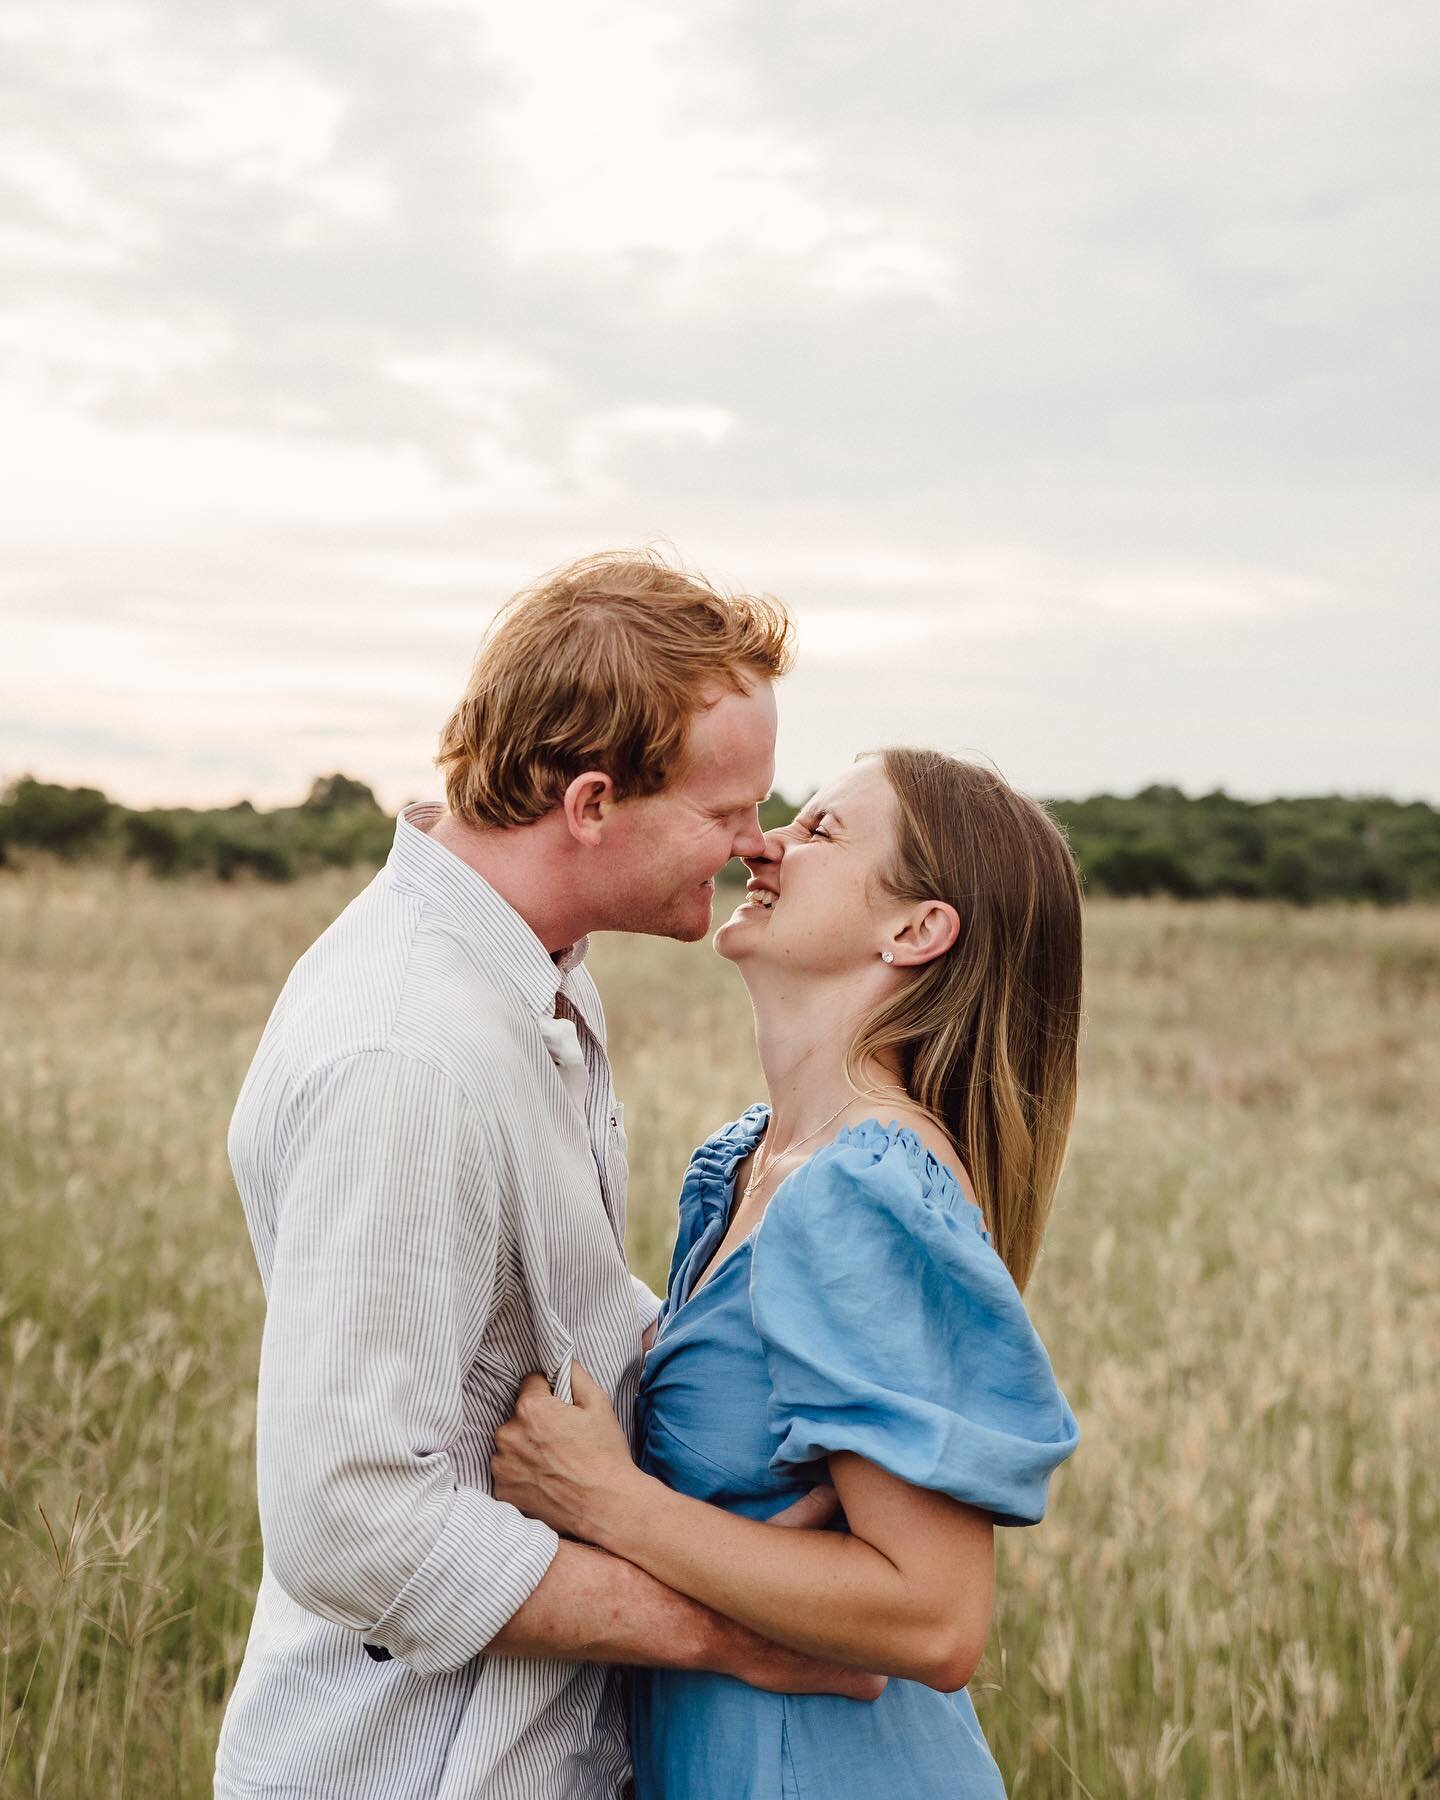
{"x":232,"y":856}
{"x":154,"y":840}
{"x":65,"y":821}
{"x":339,"y":793}
{"x":1145,"y":868}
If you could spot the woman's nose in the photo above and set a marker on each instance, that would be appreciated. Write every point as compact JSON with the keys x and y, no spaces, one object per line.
{"x":771,"y":851}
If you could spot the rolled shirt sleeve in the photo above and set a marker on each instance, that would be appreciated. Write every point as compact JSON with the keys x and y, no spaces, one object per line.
{"x":384,"y":1272}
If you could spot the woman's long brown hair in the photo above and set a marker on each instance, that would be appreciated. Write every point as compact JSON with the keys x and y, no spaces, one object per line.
{"x":988,"y":1034}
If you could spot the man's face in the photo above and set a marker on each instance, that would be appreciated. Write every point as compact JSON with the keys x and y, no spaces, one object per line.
{"x":666,"y":850}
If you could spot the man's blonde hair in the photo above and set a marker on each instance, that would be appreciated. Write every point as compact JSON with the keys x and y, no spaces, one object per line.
{"x":600,"y":665}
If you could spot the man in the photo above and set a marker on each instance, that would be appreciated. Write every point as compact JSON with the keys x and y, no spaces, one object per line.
{"x":431,"y":1161}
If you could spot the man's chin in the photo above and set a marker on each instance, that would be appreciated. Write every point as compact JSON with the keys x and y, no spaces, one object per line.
{"x":686,"y":923}
{"x":692,"y":930}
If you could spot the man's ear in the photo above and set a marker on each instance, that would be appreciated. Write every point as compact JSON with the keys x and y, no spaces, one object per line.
{"x":587,"y":803}
{"x":929,"y":932}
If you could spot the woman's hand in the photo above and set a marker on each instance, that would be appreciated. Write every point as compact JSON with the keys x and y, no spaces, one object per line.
{"x":564,"y":1463}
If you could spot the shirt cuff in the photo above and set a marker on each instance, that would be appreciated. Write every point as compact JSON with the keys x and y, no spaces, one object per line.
{"x":482,"y":1569}
{"x":647,"y":1305}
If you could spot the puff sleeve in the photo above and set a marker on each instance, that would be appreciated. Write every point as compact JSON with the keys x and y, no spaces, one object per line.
{"x":892,"y":1329}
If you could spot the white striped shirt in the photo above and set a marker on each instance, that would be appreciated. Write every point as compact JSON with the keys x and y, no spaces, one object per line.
{"x":437,"y":1207}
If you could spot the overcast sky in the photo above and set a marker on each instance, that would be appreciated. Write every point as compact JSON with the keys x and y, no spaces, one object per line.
{"x":1069,"y":370}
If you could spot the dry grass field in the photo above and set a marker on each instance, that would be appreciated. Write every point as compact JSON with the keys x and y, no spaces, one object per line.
{"x":1237,"y":1591}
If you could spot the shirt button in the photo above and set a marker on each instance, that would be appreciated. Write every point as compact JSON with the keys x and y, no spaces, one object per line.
{"x":614,"y":1122}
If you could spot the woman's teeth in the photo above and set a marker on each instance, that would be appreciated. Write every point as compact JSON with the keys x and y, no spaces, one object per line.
{"x":765,"y":900}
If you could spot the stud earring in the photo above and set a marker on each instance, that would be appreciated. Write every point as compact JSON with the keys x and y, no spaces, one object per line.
{"x":887,"y":956}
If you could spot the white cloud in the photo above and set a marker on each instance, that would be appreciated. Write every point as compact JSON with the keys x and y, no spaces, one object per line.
{"x":618,"y":133}
{"x":99,"y":28}
{"x":24,"y":248}
{"x":65,"y":215}
{"x":470,"y":572}
{"x":603,"y":122}
{"x":1006,"y":590}
{"x":222,"y":103}
{"x":1200,"y":595}
{"x":488,"y":383}
{"x":877,"y":263}
{"x":599,"y":442}
{"x":259,"y":119}
{"x":866,"y":634}
{"x":700,"y":424}
{"x":67,"y":354}
{"x":75,"y":479}
{"x":266,"y":120}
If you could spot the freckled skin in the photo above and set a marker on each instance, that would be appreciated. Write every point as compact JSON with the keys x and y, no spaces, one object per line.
{"x":665,"y":850}
{"x":822,"y":867}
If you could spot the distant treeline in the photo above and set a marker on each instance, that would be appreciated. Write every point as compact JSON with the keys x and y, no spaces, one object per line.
{"x":1159,"y":841}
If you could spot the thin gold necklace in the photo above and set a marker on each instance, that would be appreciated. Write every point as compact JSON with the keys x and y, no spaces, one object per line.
{"x":763,"y":1163}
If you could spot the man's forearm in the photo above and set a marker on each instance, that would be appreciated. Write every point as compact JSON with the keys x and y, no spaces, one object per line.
{"x":594,"y":1607}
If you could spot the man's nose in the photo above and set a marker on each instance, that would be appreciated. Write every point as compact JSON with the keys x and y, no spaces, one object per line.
{"x":761,"y":848}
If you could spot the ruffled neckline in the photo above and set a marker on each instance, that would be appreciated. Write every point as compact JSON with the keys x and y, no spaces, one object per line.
{"x":717,"y":1159}
{"x":937,"y":1180}
{"x":713,"y":1166}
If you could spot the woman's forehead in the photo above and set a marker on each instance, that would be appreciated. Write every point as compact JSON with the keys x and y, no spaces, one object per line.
{"x":860,"y":794}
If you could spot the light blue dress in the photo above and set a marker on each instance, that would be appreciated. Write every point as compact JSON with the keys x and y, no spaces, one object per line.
{"x":866,"y":1312}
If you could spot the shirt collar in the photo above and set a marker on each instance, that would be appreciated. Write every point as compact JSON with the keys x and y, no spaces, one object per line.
{"x":491,"y":925}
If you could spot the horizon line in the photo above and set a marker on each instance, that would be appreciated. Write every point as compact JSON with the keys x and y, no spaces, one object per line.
{"x":9,"y":780}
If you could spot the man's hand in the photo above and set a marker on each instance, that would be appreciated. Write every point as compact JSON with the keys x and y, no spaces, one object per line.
{"x":570,"y":1464}
{"x":811,"y":1512}
{"x":761,"y":1664}
{"x":770,"y":1666}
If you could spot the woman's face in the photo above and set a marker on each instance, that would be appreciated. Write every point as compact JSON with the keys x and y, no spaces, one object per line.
{"x":816,"y":903}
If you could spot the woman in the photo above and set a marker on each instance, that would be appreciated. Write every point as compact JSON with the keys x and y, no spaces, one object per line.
{"x":847,"y":1291}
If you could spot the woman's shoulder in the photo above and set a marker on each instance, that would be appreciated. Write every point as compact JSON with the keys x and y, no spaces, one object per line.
{"x":910,"y":1127}
{"x":892,"y":1328}
{"x":873,"y":1215}
{"x":907,"y":1171}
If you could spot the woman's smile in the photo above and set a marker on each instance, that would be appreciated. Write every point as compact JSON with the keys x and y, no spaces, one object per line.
{"x":758,"y":897}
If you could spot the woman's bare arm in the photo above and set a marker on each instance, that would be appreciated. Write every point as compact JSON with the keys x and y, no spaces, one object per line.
{"x":907,"y":1592}
{"x":602,"y":1608}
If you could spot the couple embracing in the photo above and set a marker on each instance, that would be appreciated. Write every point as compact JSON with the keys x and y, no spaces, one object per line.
{"x":530,"y":1532}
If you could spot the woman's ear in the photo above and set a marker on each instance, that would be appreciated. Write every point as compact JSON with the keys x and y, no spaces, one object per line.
{"x":929,"y":932}
{"x":586,"y":804}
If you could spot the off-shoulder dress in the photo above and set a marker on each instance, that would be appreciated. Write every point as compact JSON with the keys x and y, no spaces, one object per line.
{"x":866,"y":1312}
